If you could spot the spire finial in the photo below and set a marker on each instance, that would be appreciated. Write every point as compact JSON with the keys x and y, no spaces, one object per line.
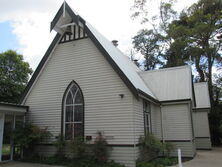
{"x":64,"y":8}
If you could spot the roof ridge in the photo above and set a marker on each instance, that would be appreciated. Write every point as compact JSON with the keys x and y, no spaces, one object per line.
{"x":116,"y":58}
{"x":165,"y":69}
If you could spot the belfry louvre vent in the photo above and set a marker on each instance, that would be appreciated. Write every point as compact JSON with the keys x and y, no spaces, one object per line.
{"x":73,"y":32}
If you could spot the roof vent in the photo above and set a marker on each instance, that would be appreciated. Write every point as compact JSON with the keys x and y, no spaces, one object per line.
{"x":69,"y":30}
{"x":115,"y":43}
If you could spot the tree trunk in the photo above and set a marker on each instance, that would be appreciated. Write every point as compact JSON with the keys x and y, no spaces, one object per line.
{"x":210,"y":85}
{"x":199,"y":70}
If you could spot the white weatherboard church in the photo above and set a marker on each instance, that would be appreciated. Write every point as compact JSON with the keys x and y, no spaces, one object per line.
{"x":84,"y":84}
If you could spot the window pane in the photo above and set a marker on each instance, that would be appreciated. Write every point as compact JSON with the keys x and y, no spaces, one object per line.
{"x":148,"y":107}
{"x":69,"y":99}
{"x":147,"y":123}
{"x":19,"y":121}
{"x":74,"y":89}
{"x":144,"y":106}
{"x":68,"y":131}
{"x":69,"y":113}
{"x":78,"y":129}
{"x":147,"y":120}
{"x":78,"y":99}
{"x":78,"y":113}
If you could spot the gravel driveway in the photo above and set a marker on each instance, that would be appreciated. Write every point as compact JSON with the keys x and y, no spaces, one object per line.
{"x":211,"y":158}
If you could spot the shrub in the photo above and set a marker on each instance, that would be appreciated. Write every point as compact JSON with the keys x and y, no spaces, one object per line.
{"x":151,"y":143}
{"x":165,"y":161}
{"x":27,"y":135}
{"x":145,"y":164}
{"x":158,"y":162}
{"x":78,"y":147}
{"x":100,"y":148}
{"x":48,"y":160}
{"x":149,"y":147}
{"x":60,"y":144}
{"x":168,"y":148}
{"x":92,"y":163}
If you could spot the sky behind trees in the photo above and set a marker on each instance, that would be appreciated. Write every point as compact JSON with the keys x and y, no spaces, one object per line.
{"x":24,"y":25}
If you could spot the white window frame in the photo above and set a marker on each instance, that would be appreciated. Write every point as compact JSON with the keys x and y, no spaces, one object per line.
{"x":73,"y":122}
{"x":147,"y":117}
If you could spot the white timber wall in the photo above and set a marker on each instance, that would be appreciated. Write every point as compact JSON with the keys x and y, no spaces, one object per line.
{"x":139,"y":121}
{"x":201,"y":129}
{"x":177,"y":123}
{"x":177,"y":127}
{"x":105,"y":111}
{"x":187,"y":149}
{"x":138,"y":118}
{"x":156,"y":121}
{"x":123,"y":155}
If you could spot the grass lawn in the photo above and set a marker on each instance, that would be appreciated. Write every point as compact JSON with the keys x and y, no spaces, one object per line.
{"x":6,"y":149}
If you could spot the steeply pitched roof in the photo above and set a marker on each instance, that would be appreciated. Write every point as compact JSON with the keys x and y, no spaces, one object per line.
{"x":202,"y":95}
{"x":120,"y":63}
{"x":125,"y":65}
{"x":170,"y":84}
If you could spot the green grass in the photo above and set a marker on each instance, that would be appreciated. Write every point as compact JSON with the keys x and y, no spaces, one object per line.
{"x":6,"y":149}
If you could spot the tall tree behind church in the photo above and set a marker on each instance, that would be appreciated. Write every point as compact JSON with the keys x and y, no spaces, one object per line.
{"x":14,"y":75}
{"x":192,"y":37}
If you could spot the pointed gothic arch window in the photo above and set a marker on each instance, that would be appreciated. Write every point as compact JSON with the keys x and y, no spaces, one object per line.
{"x":73,"y":107}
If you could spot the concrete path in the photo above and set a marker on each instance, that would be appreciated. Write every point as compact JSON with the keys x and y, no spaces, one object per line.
{"x":23,"y":164}
{"x":211,"y":158}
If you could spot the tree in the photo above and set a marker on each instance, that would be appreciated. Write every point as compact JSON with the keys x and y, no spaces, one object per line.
{"x":146,"y":42}
{"x":162,"y":46}
{"x":192,"y":37}
{"x":132,"y":56}
{"x":201,"y":27}
{"x":14,"y":75}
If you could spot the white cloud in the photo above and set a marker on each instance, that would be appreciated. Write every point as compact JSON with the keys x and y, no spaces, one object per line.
{"x":31,"y":21}
{"x":33,"y":36}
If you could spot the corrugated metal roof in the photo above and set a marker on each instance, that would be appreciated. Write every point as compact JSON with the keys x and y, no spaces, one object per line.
{"x":169,"y":83}
{"x":122,"y":61}
{"x":202,"y":95}
{"x":158,"y":85}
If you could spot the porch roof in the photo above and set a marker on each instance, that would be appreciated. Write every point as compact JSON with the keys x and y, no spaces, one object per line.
{"x":11,"y":108}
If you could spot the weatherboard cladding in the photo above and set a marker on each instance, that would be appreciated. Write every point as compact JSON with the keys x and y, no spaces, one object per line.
{"x":201,"y":125}
{"x":201,"y":128}
{"x":120,"y":63}
{"x":123,"y":155}
{"x":203,"y":143}
{"x":101,"y":86}
{"x":176,"y":126}
{"x":170,"y":83}
{"x":10,"y":107}
{"x":202,"y":95}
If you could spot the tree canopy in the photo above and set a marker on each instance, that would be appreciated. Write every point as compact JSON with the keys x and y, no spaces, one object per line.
{"x":192,"y":36}
{"x":14,"y":75}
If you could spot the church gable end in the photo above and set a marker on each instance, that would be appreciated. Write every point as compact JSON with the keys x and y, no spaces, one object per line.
{"x":73,"y":32}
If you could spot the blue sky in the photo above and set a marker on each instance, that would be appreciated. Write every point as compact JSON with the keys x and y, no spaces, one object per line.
{"x":24,"y":25}
{"x":7,"y":38}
